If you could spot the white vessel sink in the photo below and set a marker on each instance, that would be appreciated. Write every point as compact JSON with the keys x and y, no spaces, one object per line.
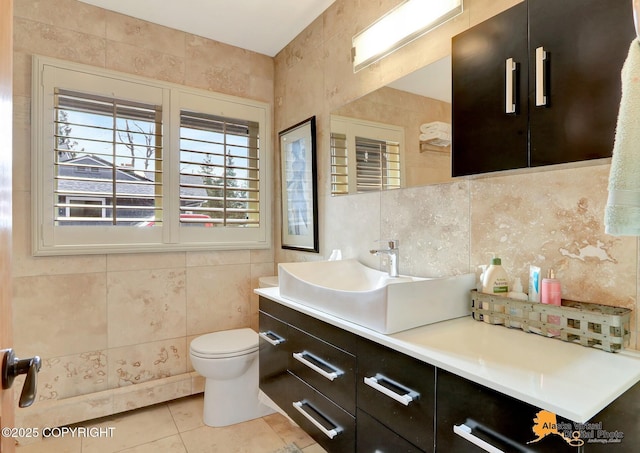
{"x":356,"y":293}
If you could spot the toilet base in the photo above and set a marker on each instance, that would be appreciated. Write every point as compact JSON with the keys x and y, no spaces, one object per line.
{"x":230,"y":402}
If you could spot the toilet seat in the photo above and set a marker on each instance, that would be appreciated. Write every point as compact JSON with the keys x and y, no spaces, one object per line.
{"x":226,"y":343}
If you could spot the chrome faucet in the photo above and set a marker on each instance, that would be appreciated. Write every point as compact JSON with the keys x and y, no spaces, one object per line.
{"x":392,"y":252}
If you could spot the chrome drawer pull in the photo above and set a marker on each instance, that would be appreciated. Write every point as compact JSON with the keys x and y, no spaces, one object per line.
{"x":510,"y":67}
{"x":541,"y":83}
{"x":300,"y":356}
{"x":465,"y":432}
{"x":330,"y":433}
{"x":267,"y":336}
{"x":405,"y":398}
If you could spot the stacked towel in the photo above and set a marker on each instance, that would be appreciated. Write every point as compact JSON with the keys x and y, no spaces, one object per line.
{"x":436,"y":133}
{"x":622,"y":213}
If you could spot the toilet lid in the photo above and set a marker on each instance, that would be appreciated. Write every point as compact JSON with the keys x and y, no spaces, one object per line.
{"x":226,"y":342}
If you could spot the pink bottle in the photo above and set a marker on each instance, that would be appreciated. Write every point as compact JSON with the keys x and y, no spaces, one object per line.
{"x":551,"y":293}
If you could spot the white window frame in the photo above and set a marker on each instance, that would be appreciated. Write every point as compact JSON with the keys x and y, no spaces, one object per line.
{"x":355,"y":127}
{"x":49,"y":239}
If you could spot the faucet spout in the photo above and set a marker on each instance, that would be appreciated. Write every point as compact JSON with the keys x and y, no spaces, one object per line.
{"x":392,"y":252}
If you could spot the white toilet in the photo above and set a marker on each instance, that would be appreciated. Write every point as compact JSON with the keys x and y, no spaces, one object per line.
{"x":229,"y":361}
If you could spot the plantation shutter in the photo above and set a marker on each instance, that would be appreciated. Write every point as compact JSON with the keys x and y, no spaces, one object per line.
{"x":339,"y":164}
{"x":377,"y":164}
{"x":219,"y":171}
{"x":108,"y":160}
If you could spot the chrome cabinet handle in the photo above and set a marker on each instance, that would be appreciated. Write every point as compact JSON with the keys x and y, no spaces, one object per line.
{"x":465,"y":432}
{"x":330,"y":433}
{"x":541,"y":82}
{"x":274,"y":341}
{"x":404,"y":398}
{"x":300,"y":356}
{"x":510,"y":73}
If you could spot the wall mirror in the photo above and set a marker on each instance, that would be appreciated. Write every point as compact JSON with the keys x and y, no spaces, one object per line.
{"x":397,"y":136}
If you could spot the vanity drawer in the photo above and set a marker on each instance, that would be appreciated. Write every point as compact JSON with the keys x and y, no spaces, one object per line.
{"x":495,"y":418}
{"x":621,"y":416}
{"x":328,"y":369}
{"x":373,"y":437}
{"x":319,"y":329}
{"x":330,"y":426}
{"x":399,"y":392}
{"x":273,"y":357}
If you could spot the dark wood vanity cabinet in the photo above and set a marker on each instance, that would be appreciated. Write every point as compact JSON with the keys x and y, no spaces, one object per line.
{"x":499,"y":420}
{"x":310,"y":374}
{"x":398,"y":391}
{"x":621,"y":416}
{"x":539,"y":84}
{"x":507,"y":423}
{"x":355,"y":395}
{"x":273,"y":355}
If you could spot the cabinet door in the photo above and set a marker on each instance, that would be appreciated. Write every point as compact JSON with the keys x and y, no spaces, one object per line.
{"x":617,"y":426}
{"x":373,"y":437}
{"x":586,"y":43}
{"x":273,"y":358}
{"x":398,"y":391}
{"x":499,"y":420}
{"x":332,"y":427}
{"x":485,"y":137}
{"x":328,"y":369}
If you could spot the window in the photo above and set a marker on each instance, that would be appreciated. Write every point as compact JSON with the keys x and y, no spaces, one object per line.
{"x":219,"y":170}
{"x":125,"y":164}
{"x":365,"y":156}
{"x":107,"y":152}
{"x":377,"y":164}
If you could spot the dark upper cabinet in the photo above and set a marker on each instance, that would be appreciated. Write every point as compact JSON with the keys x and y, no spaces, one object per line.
{"x":539,"y":84}
{"x":485,"y":138}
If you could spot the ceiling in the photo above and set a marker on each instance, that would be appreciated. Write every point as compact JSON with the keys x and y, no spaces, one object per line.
{"x":263,"y":26}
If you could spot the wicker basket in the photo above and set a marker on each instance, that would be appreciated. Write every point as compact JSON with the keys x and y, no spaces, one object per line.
{"x":591,"y":325}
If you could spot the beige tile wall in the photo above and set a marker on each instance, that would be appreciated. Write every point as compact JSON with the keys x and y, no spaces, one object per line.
{"x":552,"y":217}
{"x":103,"y":323}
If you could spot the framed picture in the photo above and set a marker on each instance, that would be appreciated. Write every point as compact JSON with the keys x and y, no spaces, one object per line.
{"x":299,"y":191}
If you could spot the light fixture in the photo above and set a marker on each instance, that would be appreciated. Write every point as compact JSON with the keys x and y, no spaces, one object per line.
{"x":406,"y":22}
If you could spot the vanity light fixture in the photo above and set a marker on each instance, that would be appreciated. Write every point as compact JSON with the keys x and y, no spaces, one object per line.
{"x":406,"y":22}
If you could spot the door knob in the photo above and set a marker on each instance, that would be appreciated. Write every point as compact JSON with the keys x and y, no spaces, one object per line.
{"x":12,"y":367}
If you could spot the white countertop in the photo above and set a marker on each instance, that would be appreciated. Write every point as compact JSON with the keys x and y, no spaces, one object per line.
{"x":568,"y":379}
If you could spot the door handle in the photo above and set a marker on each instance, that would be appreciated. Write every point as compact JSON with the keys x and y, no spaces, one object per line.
{"x":331,"y":375}
{"x":541,"y":77}
{"x":406,"y":397}
{"x":510,"y":86}
{"x":271,"y":338}
{"x":330,"y":433}
{"x":13,"y":366}
{"x":465,"y":432}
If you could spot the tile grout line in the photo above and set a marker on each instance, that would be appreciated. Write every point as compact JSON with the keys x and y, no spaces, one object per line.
{"x":173,"y":417}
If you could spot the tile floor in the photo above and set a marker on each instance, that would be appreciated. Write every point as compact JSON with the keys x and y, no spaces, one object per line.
{"x":177,"y":427}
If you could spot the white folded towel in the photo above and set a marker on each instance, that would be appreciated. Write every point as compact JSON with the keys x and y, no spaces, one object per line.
{"x":435,"y":126}
{"x":435,"y":136}
{"x":622,"y":213}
